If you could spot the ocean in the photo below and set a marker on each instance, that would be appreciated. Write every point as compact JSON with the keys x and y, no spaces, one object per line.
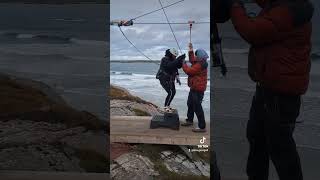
{"x":139,"y":79}
{"x":232,"y":100}
{"x":63,"y":46}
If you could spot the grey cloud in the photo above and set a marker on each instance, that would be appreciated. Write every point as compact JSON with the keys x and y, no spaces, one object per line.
{"x":153,"y":40}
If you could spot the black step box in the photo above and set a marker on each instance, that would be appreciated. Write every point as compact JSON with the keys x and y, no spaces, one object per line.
{"x":167,"y":120}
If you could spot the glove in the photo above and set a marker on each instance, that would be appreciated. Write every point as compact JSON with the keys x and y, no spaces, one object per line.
{"x":190,"y":47}
{"x":178,"y":80}
{"x":181,"y":58}
{"x":184,"y":62}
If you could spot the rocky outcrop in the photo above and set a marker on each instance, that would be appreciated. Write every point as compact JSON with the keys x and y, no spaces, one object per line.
{"x":180,"y":163}
{"x":151,"y":161}
{"x":130,"y":108}
{"x":39,"y":131}
{"x":133,"y":166}
{"x":124,"y":104}
{"x":31,"y":100}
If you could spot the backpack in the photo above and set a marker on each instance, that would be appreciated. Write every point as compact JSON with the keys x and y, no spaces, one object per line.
{"x":161,"y":74}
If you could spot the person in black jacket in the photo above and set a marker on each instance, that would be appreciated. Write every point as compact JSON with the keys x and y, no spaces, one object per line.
{"x":168,"y":73}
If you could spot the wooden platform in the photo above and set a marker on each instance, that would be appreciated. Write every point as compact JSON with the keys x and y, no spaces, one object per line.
{"x":135,"y":129}
{"x":34,"y":175}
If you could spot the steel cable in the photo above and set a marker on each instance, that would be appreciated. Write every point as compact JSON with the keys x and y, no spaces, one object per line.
{"x":136,"y":47}
{"x":164,"y":12}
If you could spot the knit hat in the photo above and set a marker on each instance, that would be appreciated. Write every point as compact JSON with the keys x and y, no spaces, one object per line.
{"x":201,"y":54}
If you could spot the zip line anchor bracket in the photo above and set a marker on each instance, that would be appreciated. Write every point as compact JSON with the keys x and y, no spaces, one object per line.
{"x":190,"y":25}
{"x":122,"y":23}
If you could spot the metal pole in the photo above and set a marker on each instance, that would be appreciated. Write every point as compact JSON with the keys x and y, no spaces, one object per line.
{"x":190,"y":23}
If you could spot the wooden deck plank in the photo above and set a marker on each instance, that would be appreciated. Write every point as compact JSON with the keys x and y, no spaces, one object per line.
{"x":136,"y":129}
{"x":37,"y":175}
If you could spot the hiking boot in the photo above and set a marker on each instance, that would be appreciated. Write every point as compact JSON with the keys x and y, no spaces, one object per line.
{"x":171,"y":109}
{"x":198,"y":130}
{"x":162,"y":110}
{"x":187,"y":123}
{"x":167,"y":109}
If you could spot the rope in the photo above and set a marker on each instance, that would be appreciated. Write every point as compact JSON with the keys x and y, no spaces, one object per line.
{"x":156,"y":10}
{"x":168,"y":22}
{"x":164,"y":12}
{"x":171,"y":23}
{"x":136,"y":47}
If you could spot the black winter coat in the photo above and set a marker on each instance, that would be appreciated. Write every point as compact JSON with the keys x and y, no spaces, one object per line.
{"x":169,"y":68}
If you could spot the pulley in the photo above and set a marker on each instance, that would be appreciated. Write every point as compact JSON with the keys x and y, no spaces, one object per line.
{"x":122,"y":22}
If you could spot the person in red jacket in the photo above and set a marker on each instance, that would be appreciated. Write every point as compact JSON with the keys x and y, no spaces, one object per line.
{"x":279,"y":63}
{"x":197,"y":81}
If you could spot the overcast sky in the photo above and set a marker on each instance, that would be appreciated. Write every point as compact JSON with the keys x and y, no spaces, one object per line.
{"x":153,"y":40}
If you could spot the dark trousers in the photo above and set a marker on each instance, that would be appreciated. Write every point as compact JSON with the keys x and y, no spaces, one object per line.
{"x":170,"y":88}
{"x":214,"y":172}
{"x":269,"y":132}
{"x":195,"y":107}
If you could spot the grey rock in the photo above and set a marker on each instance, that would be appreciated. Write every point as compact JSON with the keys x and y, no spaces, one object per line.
{"x":37,"y":157}
{"x":41,"y":146}
{"x":126,"y":108}
{"x":44,"y":88}
{"x":38,"y":144}
{"x":203,"y":167}
{"x":133,"y":166}
{"x":179,"y":163}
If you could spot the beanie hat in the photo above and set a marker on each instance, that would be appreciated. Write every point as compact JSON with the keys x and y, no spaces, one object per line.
{"x":201,"y":54}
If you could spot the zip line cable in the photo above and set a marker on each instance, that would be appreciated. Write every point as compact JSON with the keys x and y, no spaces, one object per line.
{"x":168,"y":22}
{"x":164,"y":12}
{"x":136,"y":46}
{"x":157,"y":10}
{"x":171,"y":23}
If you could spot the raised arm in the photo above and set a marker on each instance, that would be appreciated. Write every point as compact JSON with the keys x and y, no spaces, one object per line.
{"x":171,"y":64}
{"x":193,"y":70}
{"x":271,"y":26}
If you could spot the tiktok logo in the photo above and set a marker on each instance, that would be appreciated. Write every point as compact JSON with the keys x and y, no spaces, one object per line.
{"x":203,"y":140}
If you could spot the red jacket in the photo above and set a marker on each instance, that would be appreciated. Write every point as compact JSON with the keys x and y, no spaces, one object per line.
{"x":197,"y":73}
{"x":280,"y":39}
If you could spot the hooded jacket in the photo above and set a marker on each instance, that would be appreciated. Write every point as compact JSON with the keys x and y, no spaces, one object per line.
{"x":169,"y":67}
{"x":197,"y":73}
{"x":280,"y":39}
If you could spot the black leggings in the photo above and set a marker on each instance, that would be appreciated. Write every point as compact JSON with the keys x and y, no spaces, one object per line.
{"x":270,"y":135}
{"x":170,"y":89}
